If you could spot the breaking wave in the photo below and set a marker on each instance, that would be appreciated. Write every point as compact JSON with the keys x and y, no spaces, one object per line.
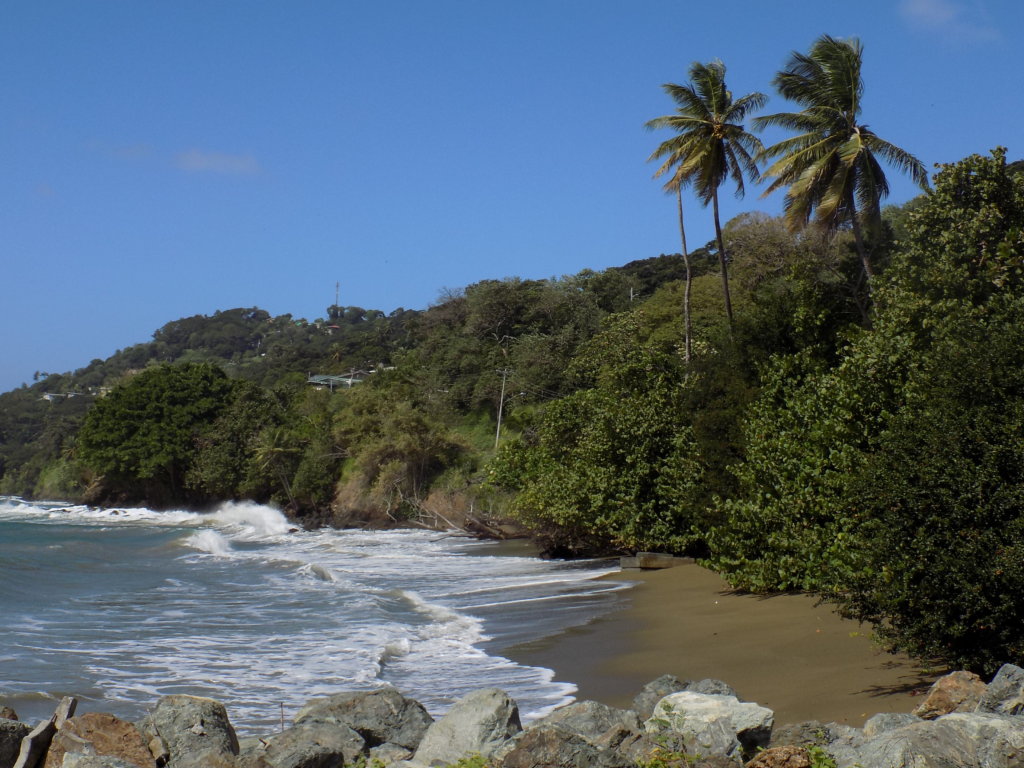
{"x":239,"y":605}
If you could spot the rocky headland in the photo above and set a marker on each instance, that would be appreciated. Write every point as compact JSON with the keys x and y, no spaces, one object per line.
{"x":962,"y":722}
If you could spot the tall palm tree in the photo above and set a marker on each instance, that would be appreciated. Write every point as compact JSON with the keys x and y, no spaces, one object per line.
{"x":711,"y":145}
{"x":675,"y":185}
{"x":831,"y":166}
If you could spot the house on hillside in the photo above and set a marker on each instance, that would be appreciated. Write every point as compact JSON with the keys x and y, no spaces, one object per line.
{"x":333,"y":381}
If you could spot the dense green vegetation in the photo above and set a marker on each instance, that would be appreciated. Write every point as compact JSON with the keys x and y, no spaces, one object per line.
{"x":847,"y":421}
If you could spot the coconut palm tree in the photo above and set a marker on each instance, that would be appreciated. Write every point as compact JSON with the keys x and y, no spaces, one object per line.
{"x":831,"y":167}
{"x":675,"y":185}
{"x":711,"y":145}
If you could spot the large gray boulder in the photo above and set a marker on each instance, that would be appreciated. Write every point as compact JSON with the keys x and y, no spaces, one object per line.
{"x":842,"y":742}
{"x":591,"y":720}
{"x":477,"y":724}
{"x":811,"y":733}
{"x":648,"y":698}
{"x":888,"y":721}
{"x":195,"y":730}
{"x":388,"y":753}
{"x":697,"y":736}
{"x":380,"y":716}
{"x":313,"y":745}
{"x":998,"y":739}
{"x":704,"y":717}
{"x":656,"y":690}
{"x":11,"y":734}
{"x":926,"y":744}
{"x":711,"y":686}
{"x":958,"y":740}
{"x":549,"y":744}
{"x":633,"y":749}
{"x":1005,"y":694}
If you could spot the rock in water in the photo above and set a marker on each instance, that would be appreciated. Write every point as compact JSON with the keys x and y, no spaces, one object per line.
{"x":380,"y":717}
{"x":478,"y":723}
{"x":195,"y":729}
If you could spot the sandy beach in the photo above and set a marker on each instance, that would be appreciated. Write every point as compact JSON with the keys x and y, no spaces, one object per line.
{"x":784,"y":652}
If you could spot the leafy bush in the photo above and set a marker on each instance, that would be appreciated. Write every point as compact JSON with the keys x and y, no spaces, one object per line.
{"x":142,"y":435}
{"x":611,"y":464}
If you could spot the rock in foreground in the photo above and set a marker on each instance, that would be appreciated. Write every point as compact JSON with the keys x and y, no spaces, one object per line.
{"x":696,"y":725}
{"x":478,"y":724}
{"x":383,"y":716}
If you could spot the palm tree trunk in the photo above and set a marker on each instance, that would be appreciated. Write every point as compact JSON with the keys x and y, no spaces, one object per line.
{"x":689,"y":278}
{"x":722,"y":261}
{"x":860,"y":301}
{"x":858,"y":239}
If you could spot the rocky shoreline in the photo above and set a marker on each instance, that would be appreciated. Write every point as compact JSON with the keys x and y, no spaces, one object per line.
{"x":962,"y":722}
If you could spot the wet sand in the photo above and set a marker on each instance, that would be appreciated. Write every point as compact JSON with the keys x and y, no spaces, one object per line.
{"x":784,"y":652}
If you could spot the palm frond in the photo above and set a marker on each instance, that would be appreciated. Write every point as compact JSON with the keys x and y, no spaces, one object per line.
{"x":872,"y":187}
{"x":689,"y":101}
{"x":898,"y":158}
{"x":831,"y":168}
{"x":740,"y":108}
{"x":793,"y":121}
{"x":710,"y":145}
{"x":809,"y":152}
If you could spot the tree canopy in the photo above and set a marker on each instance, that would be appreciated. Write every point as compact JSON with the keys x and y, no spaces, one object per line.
{"x":831,"y":167}
{"x":710,"y":144}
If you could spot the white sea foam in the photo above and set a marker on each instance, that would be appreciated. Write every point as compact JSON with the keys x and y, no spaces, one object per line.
{"x":253,"y":519}
{"x":13,"y":508}
{"x":317,"y":571}
{"x":210,"y":542}
{"x":394,"y":650}
{"x":233,"y":605}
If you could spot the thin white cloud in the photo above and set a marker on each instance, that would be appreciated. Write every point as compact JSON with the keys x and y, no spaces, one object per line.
{"x":929,"y":13}
{"x":198,"y":161}
{"x":947,"y":17}
{"x":133,"y":152}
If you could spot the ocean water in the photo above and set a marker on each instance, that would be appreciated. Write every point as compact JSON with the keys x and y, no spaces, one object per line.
{"x":121,"y":606}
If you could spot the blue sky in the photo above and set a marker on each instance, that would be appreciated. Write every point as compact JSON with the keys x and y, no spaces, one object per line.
{"x":166,"y":159}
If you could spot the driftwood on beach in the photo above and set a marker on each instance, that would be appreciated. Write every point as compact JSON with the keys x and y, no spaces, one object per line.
{"x":962,"y":722}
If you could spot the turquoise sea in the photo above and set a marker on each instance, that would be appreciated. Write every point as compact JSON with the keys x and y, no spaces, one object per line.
{"x":121,"y":606}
